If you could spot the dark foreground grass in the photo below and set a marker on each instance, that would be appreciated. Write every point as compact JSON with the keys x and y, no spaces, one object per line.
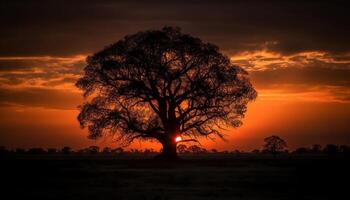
{"x":232,"y":177}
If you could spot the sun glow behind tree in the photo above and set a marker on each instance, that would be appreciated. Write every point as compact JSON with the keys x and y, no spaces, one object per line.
{"x":178,"y":139}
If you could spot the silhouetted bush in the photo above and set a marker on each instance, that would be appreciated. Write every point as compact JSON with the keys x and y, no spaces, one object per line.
{"x":93,"y":149}
{"x":36,"y":151}
{"x":316,"y":148}
{"x":256,"y":151}
{"x":118,"y":150}
{"x":236,"y":151}
{"x":52,"y":150}
{"x":196,"y":149}
{"x":331,"y":149}
{"x":302,"y":150}
{"x":66,"y":150}
{"x":20,"y":151}
{"x":3,"y":150}
{"x":345,"y":149}
{"x":106,"y":150}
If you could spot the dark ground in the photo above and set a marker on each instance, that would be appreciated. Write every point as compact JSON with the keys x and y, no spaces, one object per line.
{"x":216,"y":177}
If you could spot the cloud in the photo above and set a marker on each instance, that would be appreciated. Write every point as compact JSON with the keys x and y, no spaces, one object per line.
{"x":45,"y":72}
{"x":305,"y":93}
{"x":40,"y":81}
{"x":40,"y":97}
{"x":81,"y":27}
{"x":266,"y":59}
{"x":269,"y":68}
{"x":305,"y":76}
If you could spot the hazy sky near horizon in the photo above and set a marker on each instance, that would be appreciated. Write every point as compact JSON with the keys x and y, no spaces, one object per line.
{"x":297,"y":54}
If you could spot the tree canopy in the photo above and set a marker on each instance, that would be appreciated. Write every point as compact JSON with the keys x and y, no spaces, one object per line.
{"x":158,"y":84}
{"x":274,"y":144}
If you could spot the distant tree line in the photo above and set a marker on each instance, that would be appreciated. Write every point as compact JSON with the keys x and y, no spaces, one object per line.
{"x":329,"y":149}
{"x":272,"y":145}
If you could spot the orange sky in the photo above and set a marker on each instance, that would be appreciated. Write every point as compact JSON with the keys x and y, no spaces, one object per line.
{"x":301,"y":123}
{"x":298,"y":63}
{"x":41,"y":111}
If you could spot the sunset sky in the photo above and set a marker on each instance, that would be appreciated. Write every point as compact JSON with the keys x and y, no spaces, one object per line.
{"x":297,"y":54}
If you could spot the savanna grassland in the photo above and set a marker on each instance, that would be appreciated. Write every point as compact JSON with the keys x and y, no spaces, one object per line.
{"x":193,"y":177}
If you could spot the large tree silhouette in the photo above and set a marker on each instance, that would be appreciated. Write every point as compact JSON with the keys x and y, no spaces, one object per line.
{"x":161,"y":84}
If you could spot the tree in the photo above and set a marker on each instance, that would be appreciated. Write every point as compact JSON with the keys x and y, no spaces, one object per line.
{"x":93,"y":149}
{"x":256,"y":151}
{"x":160,"y":84}
{"x":302,"y":150}
{"x":106,"y":150}
{"x":3,"y":150}
{"x":331,"y":149}
{"x":51,"y":150}
{"x":274,"y":144}
{"x":66,"y":150}
{"x":345,"y":149}
{"x":196,"y":149}
{"x":118,"y":150}
{"x":37,"y":150}
{"x":316,"y":148}
{"x":20,"y":151}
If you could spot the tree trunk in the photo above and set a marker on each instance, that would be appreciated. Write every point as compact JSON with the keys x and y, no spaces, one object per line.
{"x":169,"y":150}
{"x":168,"y":140}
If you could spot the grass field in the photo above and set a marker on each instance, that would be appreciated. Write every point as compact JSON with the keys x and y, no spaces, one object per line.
{"x":197,"y":177}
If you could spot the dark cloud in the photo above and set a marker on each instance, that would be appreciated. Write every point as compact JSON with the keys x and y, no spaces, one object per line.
{"x":40,"y":71}
{"x":310,"y":76}
{"x":73,"y":27}
{"x":65,"y":80}
{"x":73,"y":64}
{"x":40,"y":97}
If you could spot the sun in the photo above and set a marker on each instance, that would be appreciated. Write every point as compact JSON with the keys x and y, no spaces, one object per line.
{"x":178,"y":139}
